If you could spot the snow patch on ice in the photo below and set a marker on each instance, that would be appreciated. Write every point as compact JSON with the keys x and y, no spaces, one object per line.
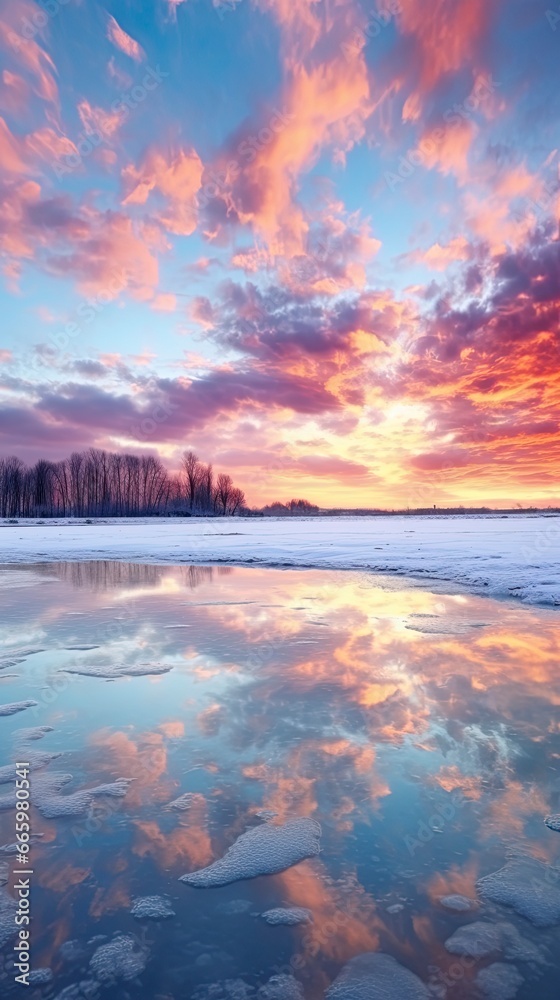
{"x":499,"y":981}
{"x":263,"y":850}
{"x":152,"y":908}
{"x":530,"y":887}
{"x":121,"y":958}
{"x":375,"y":976}
{"x":16,"y":706}
{"x":458,"y":903}
{"x":288,"y":917}
{"x":114,"y":671}
{"x":481,"y":938}
{"x":51,"y":804}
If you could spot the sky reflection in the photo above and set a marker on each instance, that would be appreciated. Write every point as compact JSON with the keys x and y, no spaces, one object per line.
{"x":420,"y":728}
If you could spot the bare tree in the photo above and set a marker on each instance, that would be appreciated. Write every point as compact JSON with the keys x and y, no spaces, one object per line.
{"x":101,"y":483}
{"x":193,"y":474}
{"x":222,"y":493}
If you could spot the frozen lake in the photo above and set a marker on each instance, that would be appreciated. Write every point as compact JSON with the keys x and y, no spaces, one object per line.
{"x":415,"y":722}
{"x":498,"y":555}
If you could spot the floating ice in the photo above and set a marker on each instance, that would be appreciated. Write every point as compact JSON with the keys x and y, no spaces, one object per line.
{"x":121,"y":958}
{"x":16,"y":706}
{"x":39,"y":977}
{"x":482,"y":938}
{"x":86,"y":989}
{"x":7,"y":801}
{"x":553,"y":822}
{"x":499,"y":981}
{"x":152,"y":908}
{"x":4,"y":872}
{"x":281,"y":987}
{"x":437,"y":625}
{"x":375,"y":976}
{"x":34,"y":758}
{"x":230,"y":989}
{"x":46,"y":788}
{"x":530,"y":887}
{"x":32,"y":733}
{"x":458,"y":903}
{"x":263,"y":850}
{"x":183,"y":802}
{"x":289,"y":917}
{"x":114,"y":671}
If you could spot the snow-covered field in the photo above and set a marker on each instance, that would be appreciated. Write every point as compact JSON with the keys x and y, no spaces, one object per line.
{"x":514,"y":556}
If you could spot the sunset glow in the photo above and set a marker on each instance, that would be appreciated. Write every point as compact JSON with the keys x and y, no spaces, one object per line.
{"x":316,"y":241}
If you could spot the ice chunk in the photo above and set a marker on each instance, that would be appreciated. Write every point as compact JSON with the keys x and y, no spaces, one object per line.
{"x":16,"y":706}
{"x":113,"y":671}
{"x":289,"y":917}
{"x":34,"y":758}
{"x":46,"y":788}
{"x":39,"y":977}
{"x":375,"y":976}
{"x":553,"y":822}
{"x":530,"y":887}
{"x":152,"y":908}
{"x":230,"y":989}
{"x":32,"y":733}
{"x":7,"y":801}
{"x":121,"y":958}
{"x":458,"y":903}
{"x":87,"y":989}
{"x":183,"y":802}
{"x":281,"y":987}
{"x":482,"y":938}
{"x":499,"y":981}
{"x":263,"y":850}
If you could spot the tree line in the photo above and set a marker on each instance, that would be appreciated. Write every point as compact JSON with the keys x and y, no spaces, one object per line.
{"x":96,"y":483}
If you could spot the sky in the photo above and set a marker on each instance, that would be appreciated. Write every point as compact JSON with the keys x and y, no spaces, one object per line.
{"x":317,"y":241}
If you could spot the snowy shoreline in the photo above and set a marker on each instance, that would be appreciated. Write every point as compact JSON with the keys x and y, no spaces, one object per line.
{"x":501,"y":556}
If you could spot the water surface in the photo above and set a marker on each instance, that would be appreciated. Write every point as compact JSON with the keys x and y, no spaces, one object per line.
{"x":419,"y":727}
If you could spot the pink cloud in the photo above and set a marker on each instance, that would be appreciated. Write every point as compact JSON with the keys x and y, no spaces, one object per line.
{"x":446,"y":39}
{"x":164,"y":302}
{"x":95,"y":119}
{"x":123,"y":41}
{"x":176,"y":178}
{"x":28,"y":54}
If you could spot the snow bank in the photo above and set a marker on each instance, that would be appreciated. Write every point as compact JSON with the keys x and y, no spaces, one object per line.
{"x":499,"y":555}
